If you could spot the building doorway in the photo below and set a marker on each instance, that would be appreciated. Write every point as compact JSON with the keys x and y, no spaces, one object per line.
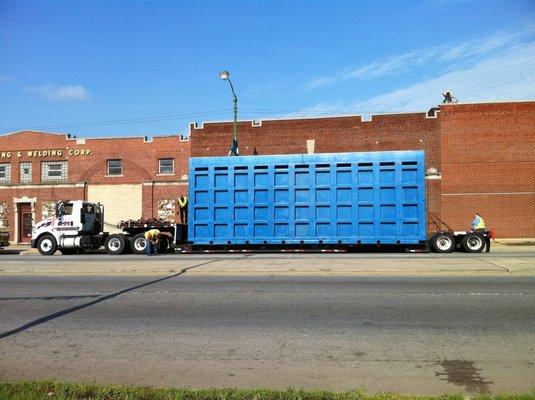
{"x":25,"y":222}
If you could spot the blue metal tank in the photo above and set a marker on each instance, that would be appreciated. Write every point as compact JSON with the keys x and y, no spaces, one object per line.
{"x":340,"y":198}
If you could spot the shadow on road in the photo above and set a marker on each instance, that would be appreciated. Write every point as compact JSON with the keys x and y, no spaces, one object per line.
{"x":70,"y":310}
{"x":51,"y":297}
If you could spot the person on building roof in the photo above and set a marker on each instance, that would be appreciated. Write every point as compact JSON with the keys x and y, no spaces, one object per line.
{"x":183,"y":207}
{"x":478,"y":224}
{"x":153,"y":238}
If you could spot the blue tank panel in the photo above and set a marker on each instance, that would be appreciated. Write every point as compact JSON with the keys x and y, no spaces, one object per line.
{"x":341,"y":198}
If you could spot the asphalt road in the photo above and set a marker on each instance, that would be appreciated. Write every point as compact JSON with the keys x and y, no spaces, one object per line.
{"x":407,"y":334}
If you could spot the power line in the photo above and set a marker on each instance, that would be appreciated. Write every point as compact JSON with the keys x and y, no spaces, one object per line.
{"x":125,"y":121}
{"x":301,"y":111}
{"x":162,"y":118}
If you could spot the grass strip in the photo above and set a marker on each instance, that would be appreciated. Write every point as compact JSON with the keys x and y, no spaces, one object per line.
{"x":49,"y":389}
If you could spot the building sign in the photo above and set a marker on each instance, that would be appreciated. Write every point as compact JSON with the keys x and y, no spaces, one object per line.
{"x":45,"y":153}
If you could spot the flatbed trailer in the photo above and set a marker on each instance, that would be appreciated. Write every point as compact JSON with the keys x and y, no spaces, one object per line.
{"x":132,"y":237}
{"x":339,"y":201}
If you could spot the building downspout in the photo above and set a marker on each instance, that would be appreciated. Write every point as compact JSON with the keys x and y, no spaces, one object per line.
{"x":152,"y":199}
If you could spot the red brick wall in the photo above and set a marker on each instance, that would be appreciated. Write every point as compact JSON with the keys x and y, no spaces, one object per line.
{"x":486,"y":150}
{"x":488,"y":166}
{"x":412,"y":131}
{"x":332,"y":135}
{"x":139,"y":161}
{"x":152,"y":194}
{"x":140,"y":158}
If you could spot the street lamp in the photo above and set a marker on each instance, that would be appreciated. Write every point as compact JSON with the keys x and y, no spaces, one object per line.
{"x":225,"y":75}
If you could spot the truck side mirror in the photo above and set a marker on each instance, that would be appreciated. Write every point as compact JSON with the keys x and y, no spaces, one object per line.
{"x":59,"y":210}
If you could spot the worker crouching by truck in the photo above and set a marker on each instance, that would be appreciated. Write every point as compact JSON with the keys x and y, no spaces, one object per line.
{"x":153,"y":237}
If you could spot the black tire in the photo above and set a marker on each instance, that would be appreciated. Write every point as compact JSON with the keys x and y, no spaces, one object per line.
{"x":443,"y":243}
{"x":115,"y":244}
{"x":47,"y":245}
{"x":138,"y":245}
{"x":164,"y":245}
{"x":473,"y":243}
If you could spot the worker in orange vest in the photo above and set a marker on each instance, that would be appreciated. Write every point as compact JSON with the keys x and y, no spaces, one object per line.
{"x":183,"y":207}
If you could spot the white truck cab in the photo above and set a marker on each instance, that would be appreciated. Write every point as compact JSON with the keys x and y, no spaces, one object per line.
{"x":77,"y":226}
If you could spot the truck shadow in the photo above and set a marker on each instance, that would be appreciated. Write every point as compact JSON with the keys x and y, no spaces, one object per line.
{"x":70,"y":310}
{"x":11,"y":251}
{"x":48,"y":298}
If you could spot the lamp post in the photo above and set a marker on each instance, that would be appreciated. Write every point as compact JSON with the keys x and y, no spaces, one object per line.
{"x":225,"y":75}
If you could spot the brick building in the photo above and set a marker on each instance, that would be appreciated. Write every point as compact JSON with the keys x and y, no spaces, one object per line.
{"x":480,"y":157}
{"x":132,"y":177}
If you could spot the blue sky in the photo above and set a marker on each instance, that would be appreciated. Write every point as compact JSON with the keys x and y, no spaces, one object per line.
{"x":123,"y":68}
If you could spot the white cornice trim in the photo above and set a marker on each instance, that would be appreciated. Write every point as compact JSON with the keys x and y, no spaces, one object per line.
{"x":44,"y":186}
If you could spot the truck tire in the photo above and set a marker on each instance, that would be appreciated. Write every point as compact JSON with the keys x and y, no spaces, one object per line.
{"x":164,"y":245}
{"x":473,"y":243}
{"x":115,"y":244}
{"x":443,"y":243}
{"x":138,"y":245}
{"x":47,"y":245}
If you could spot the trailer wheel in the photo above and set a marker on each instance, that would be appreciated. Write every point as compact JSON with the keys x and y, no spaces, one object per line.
{"x":473,"y":243}
{"x":443,"y":243}
{"x":47,"y":245}
{"x":115,"y":244}
{"x":138,"y":245}
{"x":164,"y":245}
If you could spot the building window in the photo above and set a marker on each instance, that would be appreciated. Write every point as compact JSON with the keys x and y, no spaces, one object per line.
{"x":115,"y":167}
{"x":54,"y":171}
{"x":166,"y":166}
{"x":25,"y":172}
{"x":5,"y":173}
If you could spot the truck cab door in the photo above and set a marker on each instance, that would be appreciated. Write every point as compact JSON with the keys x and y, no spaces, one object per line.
{"x":87,"y":218}
{"x":66,"y":220}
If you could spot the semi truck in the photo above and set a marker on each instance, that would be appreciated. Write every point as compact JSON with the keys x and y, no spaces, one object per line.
{"x":320,"y":201}
{"x":79,"y":225}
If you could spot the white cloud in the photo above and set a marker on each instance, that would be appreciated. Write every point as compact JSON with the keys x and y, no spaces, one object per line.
{"x":69,"y":92}
{"x":438,"y":56}
{"x":506,"y":75}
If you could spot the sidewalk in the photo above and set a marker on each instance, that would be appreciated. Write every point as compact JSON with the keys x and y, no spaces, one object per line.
{"x":274,"y":264}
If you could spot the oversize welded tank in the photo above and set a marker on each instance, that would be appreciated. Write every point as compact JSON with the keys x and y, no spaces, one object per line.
{"x":334,"y":199}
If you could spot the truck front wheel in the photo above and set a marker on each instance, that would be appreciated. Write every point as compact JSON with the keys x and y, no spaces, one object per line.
{"x":47,"y":245}
{"x":443,"y":243}
{"x":115,"y":244}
